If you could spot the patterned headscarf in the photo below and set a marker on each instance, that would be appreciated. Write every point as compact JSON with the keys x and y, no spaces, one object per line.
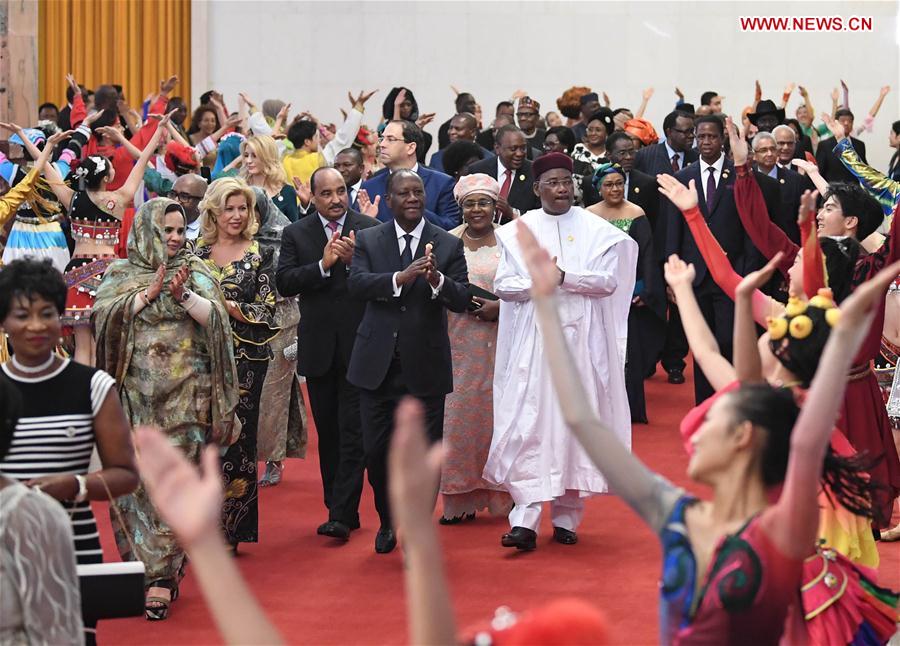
{"x":229,"y":150}
{"x":476,"y":183}
{"x":114,"y":318}
{"x":603,"y":170}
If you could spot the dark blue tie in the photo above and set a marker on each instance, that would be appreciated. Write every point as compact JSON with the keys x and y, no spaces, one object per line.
{"x":406,"y":256}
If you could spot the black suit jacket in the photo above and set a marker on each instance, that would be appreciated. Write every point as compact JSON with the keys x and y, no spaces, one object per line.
{"x":521,"y":193}
{"x":328,"y":315}
{"x":723,"y":221}
{"x":790,"y":187}
{"x":830,"y":166}
{"x":415,"y":322}
{"x":64,"y":119}
{"x":654,"y":160}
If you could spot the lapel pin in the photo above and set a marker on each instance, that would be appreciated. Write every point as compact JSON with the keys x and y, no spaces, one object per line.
{"x":570,"y":239}
{"x":637,"y":189}
{"x":428,"y":247}
{"x":781,"y":180}
{"x":521,"y":178}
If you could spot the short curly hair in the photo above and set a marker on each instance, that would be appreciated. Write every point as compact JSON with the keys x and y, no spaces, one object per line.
{"x":570,"y":101}
{"x":31,"y":278}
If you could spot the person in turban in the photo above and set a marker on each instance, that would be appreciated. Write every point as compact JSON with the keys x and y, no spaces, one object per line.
{"x":532,"y":455}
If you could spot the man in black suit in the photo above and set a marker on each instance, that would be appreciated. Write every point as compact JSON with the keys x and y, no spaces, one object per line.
{"x":673,"y":154}
{"x":790,"y":184}
{"x":512,"y":171}
{"x":713,"y":176}
{"x":316,"y":254}
{"x":666,"y":158}
{"x":465,"y":102}
{"x":503,"y":114}
{"x":349,"y":163}
{"x":830,"y":166}
{"x":409,"y":272}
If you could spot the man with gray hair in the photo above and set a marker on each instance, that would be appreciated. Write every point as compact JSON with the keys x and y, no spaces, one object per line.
{"x":188,"y":190}
{"x":790,"y":184}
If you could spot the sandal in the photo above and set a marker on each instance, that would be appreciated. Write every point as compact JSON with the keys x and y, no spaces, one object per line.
{"x":161,"y":594}
{"x":456,"y":519}
{"x":273,"y":474}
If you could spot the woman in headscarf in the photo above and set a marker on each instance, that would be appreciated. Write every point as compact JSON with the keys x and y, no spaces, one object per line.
{"x":282,"y":411}
{"x":647,"y":317}
{"x":228,"y":156}
{"x":468,"y":412}
{"x":163,"y":333}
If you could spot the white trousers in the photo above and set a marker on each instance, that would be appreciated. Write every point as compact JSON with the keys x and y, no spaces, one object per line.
{"x":566,"y":512}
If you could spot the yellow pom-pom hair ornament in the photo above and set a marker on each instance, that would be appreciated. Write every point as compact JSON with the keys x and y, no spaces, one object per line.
{"x":824,"y":300}
{"x":795,"y":307}
{"x":778,"y":327}
{"x":800,"y":326}
{"x":832,"y":316}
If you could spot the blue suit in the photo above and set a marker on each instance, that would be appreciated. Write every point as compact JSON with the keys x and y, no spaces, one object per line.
{"x":444,"y":211}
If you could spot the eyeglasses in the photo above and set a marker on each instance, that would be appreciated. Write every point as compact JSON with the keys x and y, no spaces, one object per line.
{"x":763,"y":150}
{"x":468,"y":205}
{"x":555,"y":183}
{"x":184,"y":197}
{"x":619,"y":184}
{"x":689,"y":132}
{"x":390,"y":139}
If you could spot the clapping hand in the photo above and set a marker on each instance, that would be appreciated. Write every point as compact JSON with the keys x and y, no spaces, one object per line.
{"x":344,"y":247}
{"x":544,"y":272}
{"x":683,"y":197}
{"x":156,"y":286}
{"x":176,"y":285}
{"x":366,"y":205}
{"x":835,"y":126}
{"x":432,"y":275}
{"x":330,"y":254}
{"x":302,"y":190}
{"x":188,"y":500}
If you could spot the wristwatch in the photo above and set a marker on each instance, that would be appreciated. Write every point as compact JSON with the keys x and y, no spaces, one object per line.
{"x":186,"y":296}
{"x":82,"y":494}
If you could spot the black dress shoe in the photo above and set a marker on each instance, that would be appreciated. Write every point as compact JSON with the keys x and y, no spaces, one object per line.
{"x":385,"y":541}
{"x":521,"y":538}
{"x":335,"y":529}
{"x":564,"y":536}
{"x":676,"y":376}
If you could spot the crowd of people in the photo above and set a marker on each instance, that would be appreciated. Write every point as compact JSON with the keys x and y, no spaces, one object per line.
{"x":503,"y":291}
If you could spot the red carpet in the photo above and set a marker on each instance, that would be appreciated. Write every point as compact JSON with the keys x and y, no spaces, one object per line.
{"x":319,"y":592}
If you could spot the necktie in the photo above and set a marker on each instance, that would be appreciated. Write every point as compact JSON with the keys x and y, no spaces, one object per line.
{"x":507,"y":182}
{"x":675,"y":167}
{"x":406,"y":256}
{"x":710,"y":189}
{"x":350,"y":195}
{"x":333,"y":226}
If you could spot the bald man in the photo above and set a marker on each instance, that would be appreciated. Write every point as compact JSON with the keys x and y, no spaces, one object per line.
{"x":188,"y":190}
{"x":463,"y":127}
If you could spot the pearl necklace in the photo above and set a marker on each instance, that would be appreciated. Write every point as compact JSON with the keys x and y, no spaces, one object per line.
{"x":31,"y":370}
{"x":473,"y":238}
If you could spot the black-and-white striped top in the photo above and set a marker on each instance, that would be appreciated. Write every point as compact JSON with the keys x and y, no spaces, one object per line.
{"x":55,"y":436}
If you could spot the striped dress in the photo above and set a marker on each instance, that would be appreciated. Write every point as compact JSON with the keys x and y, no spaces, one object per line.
{"x":55,"y":436}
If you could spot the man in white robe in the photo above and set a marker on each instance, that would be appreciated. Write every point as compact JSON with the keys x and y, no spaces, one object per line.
{"x":532,"y":453}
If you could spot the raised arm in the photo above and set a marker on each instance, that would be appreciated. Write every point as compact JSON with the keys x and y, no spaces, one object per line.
{"x":793,"y":522}
{"x":129,"y":188}
{"x":747,"y":364}
{"x":648,"y":494}
{"x":766,"y":236}
{"x":645,"y":99}
{"x":685,"y":199}
{"x":680,"y":278}
{"x":346,"y":134}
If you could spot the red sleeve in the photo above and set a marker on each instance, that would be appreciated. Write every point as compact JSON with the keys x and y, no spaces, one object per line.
{"x":813,"y":261}
{"x":144,"y":135}
{"x":79,"y":110}
{"x":764,"y":234}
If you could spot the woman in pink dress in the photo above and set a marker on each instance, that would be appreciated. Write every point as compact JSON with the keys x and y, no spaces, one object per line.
{"x":468,"y":416}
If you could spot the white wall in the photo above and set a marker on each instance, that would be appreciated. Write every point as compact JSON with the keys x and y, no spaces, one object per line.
{"x":311,"y":53}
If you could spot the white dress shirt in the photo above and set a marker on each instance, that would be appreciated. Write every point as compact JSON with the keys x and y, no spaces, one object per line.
{"x":192,"y":229}
{"x":717,"y":172}
{"x":327,"y":272}
{"x":413,"y":247}
{"x":501,"y":173}
{"x":353,"y":193}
